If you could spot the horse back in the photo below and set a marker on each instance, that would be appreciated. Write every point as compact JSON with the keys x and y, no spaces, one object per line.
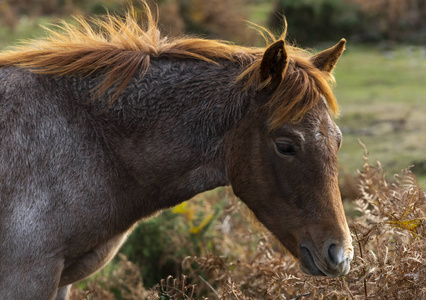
{"x":53,"y":169}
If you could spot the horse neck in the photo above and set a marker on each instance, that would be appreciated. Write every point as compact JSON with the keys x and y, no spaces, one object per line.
{"x":168,"y":127}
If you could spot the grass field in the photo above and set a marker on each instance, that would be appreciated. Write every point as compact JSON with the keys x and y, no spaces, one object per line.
{"x":383,"y":101}
{"x":28,"y":28}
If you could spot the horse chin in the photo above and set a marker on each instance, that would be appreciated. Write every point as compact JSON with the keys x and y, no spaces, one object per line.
{"x":307,"y":263}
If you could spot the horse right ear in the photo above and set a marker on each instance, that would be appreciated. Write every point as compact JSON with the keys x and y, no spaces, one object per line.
{"x":273,"y":66}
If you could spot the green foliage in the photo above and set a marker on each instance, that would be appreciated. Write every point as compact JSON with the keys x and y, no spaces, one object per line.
{"x":101,"y":7}
{"x":158,"y":245}
{"x":150,"y":247}
{"x":395,"y":20}
{"x":312,"y":21}
{"x":26,"y":29}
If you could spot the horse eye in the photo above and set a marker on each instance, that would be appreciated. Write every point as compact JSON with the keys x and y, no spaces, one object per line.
{"x":285,"y":148}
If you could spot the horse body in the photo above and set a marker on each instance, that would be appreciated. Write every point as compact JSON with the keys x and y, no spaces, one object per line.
{"x":89,"y":176}
{"x":54,"y":186}
{"x":79,"y":171}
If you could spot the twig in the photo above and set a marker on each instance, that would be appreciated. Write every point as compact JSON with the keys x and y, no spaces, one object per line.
{"x":347,"y":288}
{"x":362,"y":257}
{"x":209,"y":285}
{"x":300,"y":296}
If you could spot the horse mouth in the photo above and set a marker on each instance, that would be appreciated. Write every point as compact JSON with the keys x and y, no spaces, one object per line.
{"x":311,"y":266}
{"x":307,"y":263}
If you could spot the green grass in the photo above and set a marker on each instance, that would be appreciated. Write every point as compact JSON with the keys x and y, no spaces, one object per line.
{"x":382,"y":99}
{"x":259,"y":13}
{"x":26,"y":29}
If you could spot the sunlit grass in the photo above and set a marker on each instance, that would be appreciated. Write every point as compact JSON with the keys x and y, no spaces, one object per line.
{"x":259,"y":13}
{"x":27,"y":28}
{"x":383,"y":101}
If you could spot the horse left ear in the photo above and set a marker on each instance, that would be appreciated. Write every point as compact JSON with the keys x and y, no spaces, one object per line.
{"x":327,"y":59}
{"x":273,"y":65}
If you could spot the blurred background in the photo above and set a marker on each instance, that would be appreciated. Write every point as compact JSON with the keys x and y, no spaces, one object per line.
{"x":381,"y":88}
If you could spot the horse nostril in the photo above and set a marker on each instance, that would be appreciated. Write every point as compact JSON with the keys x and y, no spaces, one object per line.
{"x":332,"y":254}
{"x":338,"y":262}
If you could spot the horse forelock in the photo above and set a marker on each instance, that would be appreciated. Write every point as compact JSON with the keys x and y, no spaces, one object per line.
{"x":302,"y":87}
{"x":120,"y":47}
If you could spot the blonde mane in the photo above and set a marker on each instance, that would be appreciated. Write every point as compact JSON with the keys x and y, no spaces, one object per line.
{"x":120,"y":46}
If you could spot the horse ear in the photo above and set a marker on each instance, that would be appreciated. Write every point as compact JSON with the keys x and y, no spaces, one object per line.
{"x":327,"y":59}
{"x":273,"y":65}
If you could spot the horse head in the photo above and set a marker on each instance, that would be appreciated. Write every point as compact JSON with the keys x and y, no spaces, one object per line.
{"x":285,"y":170}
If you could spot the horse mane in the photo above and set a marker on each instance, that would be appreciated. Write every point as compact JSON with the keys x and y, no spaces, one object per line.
{"x":119,"y":47}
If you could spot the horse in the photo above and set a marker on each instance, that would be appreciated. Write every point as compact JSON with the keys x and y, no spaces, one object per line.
{"x":107,"y":122}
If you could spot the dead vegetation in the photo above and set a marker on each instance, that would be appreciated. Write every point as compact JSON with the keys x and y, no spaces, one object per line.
{"x":389,"y":236}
